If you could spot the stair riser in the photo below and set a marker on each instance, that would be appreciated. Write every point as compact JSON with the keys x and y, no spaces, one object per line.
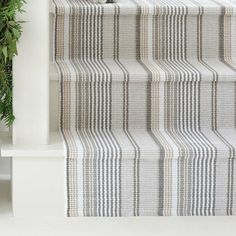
{"x":183,"y":187}
{"x":169,"y":105}
{"x":161,"y":37}
{"x":54,"y":106}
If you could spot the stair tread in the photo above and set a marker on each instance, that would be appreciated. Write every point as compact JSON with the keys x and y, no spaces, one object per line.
{"x":54,"y":149}
{"x":190,"y":70}
{"x":200,"y":141}
{"x":148,"y":7}
{"x":148,"y":143}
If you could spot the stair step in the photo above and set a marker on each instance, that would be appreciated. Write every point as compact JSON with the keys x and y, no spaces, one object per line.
{"x":166,"y":98}
{"x":141,"y":173}
{"x":142,"y":71}
{"x":152,"y":144}
{"x":144,"y":7}
{"x":179,"y":30}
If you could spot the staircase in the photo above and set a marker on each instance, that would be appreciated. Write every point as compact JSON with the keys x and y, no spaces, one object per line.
{"x":147,"y":106}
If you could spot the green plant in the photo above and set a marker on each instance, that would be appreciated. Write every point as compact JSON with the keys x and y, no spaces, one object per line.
{"x":10,"y":32}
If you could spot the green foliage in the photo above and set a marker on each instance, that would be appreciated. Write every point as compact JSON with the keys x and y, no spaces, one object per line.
{"x":10,"y":32}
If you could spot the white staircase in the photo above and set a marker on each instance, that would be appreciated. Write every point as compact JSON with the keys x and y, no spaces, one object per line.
{"x":35,"y":143}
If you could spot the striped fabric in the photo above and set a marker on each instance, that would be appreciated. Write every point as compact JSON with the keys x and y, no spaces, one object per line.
{"x":98,"y":1}
{"x":101,"y":1}
{"x":148,"y":106}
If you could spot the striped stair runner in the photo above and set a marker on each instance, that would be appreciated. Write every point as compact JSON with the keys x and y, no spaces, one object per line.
{"x":148,"y":106}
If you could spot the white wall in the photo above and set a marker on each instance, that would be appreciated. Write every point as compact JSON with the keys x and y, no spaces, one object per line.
{"x":5,"y":168}
{"x":2,"y":128}
{"x":5,"y":163}
{"x":31,"y":76}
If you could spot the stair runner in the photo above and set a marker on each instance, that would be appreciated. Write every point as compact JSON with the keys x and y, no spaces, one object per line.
{"x":148,"y":106}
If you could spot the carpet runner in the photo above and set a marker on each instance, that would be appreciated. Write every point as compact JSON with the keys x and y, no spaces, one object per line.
{"x":148,"y":106}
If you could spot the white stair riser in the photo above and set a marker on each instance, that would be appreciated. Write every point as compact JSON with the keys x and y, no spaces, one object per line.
{"x":38,"y":186}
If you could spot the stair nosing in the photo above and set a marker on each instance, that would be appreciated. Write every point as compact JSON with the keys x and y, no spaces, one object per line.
{"x":193,"y":10}
{"x":54,"y":75}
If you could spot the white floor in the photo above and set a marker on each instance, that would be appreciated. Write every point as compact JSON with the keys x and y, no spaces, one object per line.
{"x":147,"y":226}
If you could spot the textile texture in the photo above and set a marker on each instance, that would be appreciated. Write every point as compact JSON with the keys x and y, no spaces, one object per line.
{"x":148,"y":106}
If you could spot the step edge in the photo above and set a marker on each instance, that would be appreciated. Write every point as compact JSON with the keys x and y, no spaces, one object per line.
{"x":54,"y":75}
{"x":54,"y":149}
{"x":149,"y":10}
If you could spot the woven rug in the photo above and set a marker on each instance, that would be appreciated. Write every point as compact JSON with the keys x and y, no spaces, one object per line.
{"x":148,"y":106}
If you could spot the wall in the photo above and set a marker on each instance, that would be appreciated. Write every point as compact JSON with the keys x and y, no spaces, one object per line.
{"x":5,"y":168}
{"x":5,"y":163}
